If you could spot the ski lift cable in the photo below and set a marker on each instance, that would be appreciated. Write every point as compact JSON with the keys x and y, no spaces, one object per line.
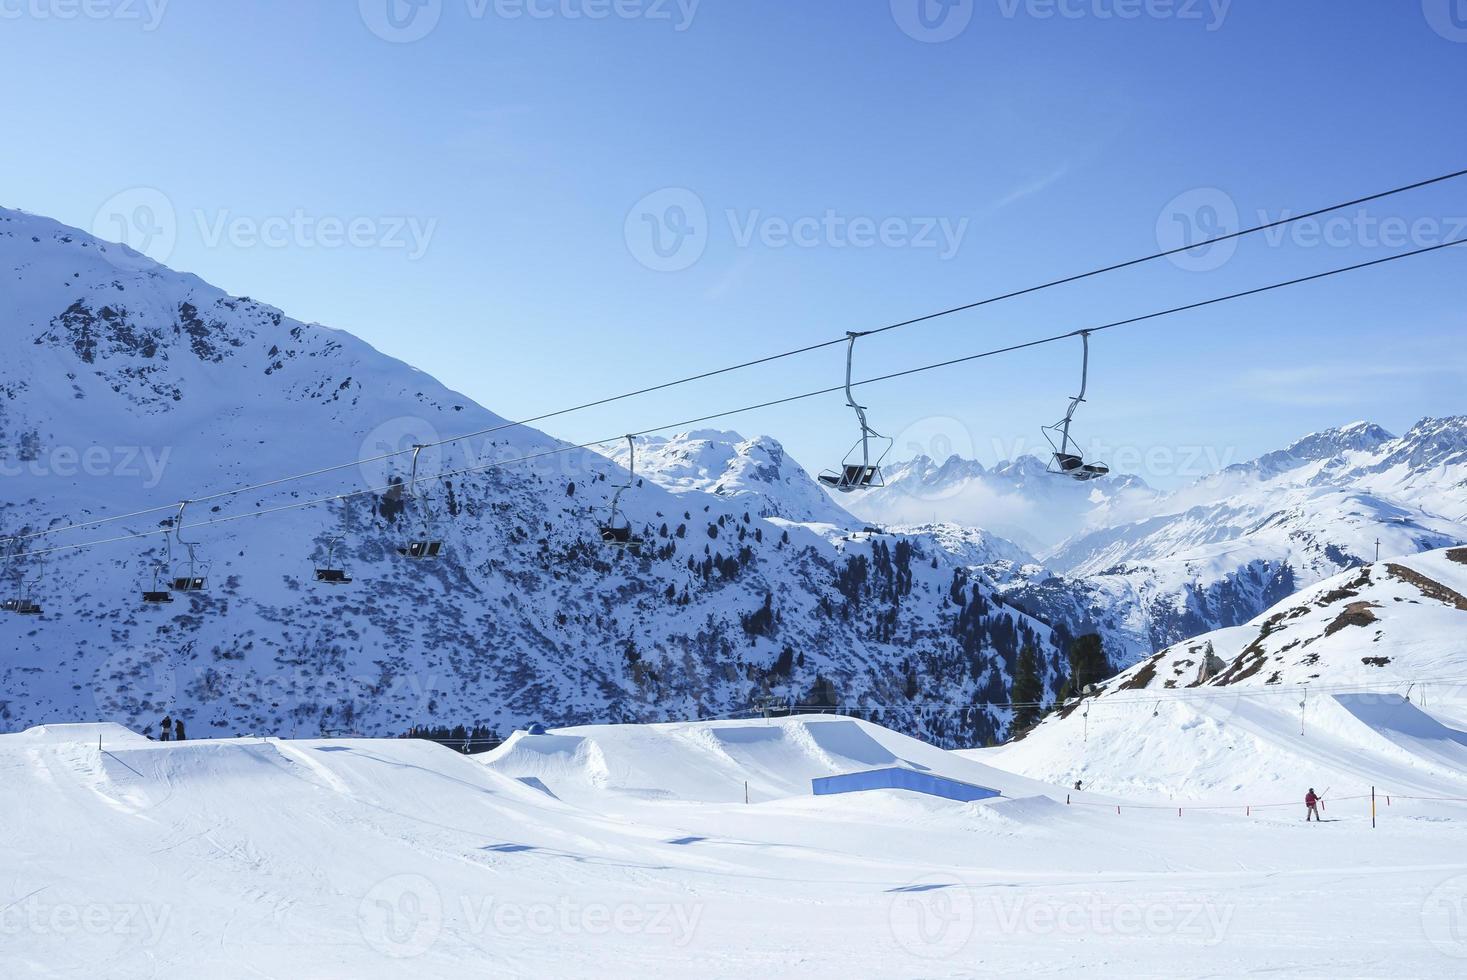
{"x":702,"y":376}
{"x":295,"y":505}
{"x":1064,"y":336}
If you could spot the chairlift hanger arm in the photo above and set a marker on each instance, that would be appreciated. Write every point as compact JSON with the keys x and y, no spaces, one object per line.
{"x":178,"y":524}
{"x":413,"y":479}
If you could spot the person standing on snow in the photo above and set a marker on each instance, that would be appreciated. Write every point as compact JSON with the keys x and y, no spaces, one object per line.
{"x":165,"y":730}
{"x":1312,"y":802}
{"x":178,"y":730}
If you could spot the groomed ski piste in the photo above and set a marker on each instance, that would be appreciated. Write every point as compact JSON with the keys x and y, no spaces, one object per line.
{"x":630,"y":851}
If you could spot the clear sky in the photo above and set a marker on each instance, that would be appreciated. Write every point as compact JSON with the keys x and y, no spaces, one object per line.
{"x":545,"y":201}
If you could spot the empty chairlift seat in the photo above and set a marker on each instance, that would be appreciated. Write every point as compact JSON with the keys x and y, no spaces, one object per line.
{"x":1067,"y":459}
{"x":617,"y":531}
{"x":330,"y":571}
{"x":23,"y":607}
{"x":863,"y":475}
{"x":853,"y":477}
{"x":419,"y":550}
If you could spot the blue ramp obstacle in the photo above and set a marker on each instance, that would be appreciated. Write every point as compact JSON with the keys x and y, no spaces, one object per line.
{"x":900,"y":777}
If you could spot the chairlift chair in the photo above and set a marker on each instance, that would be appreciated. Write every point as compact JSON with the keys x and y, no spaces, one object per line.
{"x":162,"y":576}
{"x":424,"y":546}
{"x":617,"y":531}
{"x":12,"y":604}
{"x":1067,"y":459}
{"x":328,"y":573}
{"x":23,"y":603}
{"x":156,"y":596}
{"x":197,"y":577}
{"x":853,"y":474}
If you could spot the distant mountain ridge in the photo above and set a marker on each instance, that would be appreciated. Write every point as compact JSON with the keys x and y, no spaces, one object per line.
{"x":1018,"y":499}
{"x":1219,"y":552}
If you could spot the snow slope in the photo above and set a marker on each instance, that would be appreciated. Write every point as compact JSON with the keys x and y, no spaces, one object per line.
{"x":1356,"y":682}
{"x":371,"y":858}
{"x":721,"y":762}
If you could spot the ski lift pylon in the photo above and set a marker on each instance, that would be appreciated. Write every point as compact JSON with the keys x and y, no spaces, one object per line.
{"x":617,"y":531}
{"x":865,"y":474}
{"x":1067,"y":459}
{"x":424,"y":545}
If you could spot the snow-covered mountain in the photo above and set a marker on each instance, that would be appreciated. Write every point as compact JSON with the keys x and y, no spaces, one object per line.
{"x":1017,"y":499}
{"x":128,"y":386}
{"x":1327,"y":686}
{"x":756,"y":473}
{"x":1325,"y":498}
{"x":1221,"y":551}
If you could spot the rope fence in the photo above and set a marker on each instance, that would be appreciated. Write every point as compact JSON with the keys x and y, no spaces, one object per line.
{"x":1374,"y":796}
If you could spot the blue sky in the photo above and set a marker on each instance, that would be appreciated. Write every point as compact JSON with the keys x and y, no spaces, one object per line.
{"x":473,"y":186}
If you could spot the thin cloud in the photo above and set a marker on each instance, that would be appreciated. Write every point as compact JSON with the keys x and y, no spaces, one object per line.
{"x":1334,"y":384}
{"x":1030,"y":189}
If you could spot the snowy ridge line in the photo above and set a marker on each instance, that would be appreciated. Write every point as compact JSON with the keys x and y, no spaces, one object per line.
{"x":1084,"y":331}
{"x":1206,"y":693}
{"x":297,"y":505}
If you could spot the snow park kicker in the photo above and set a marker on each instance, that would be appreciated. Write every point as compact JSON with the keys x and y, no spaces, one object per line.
{"x":725,"y":762}
{"x":387,"y":858}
